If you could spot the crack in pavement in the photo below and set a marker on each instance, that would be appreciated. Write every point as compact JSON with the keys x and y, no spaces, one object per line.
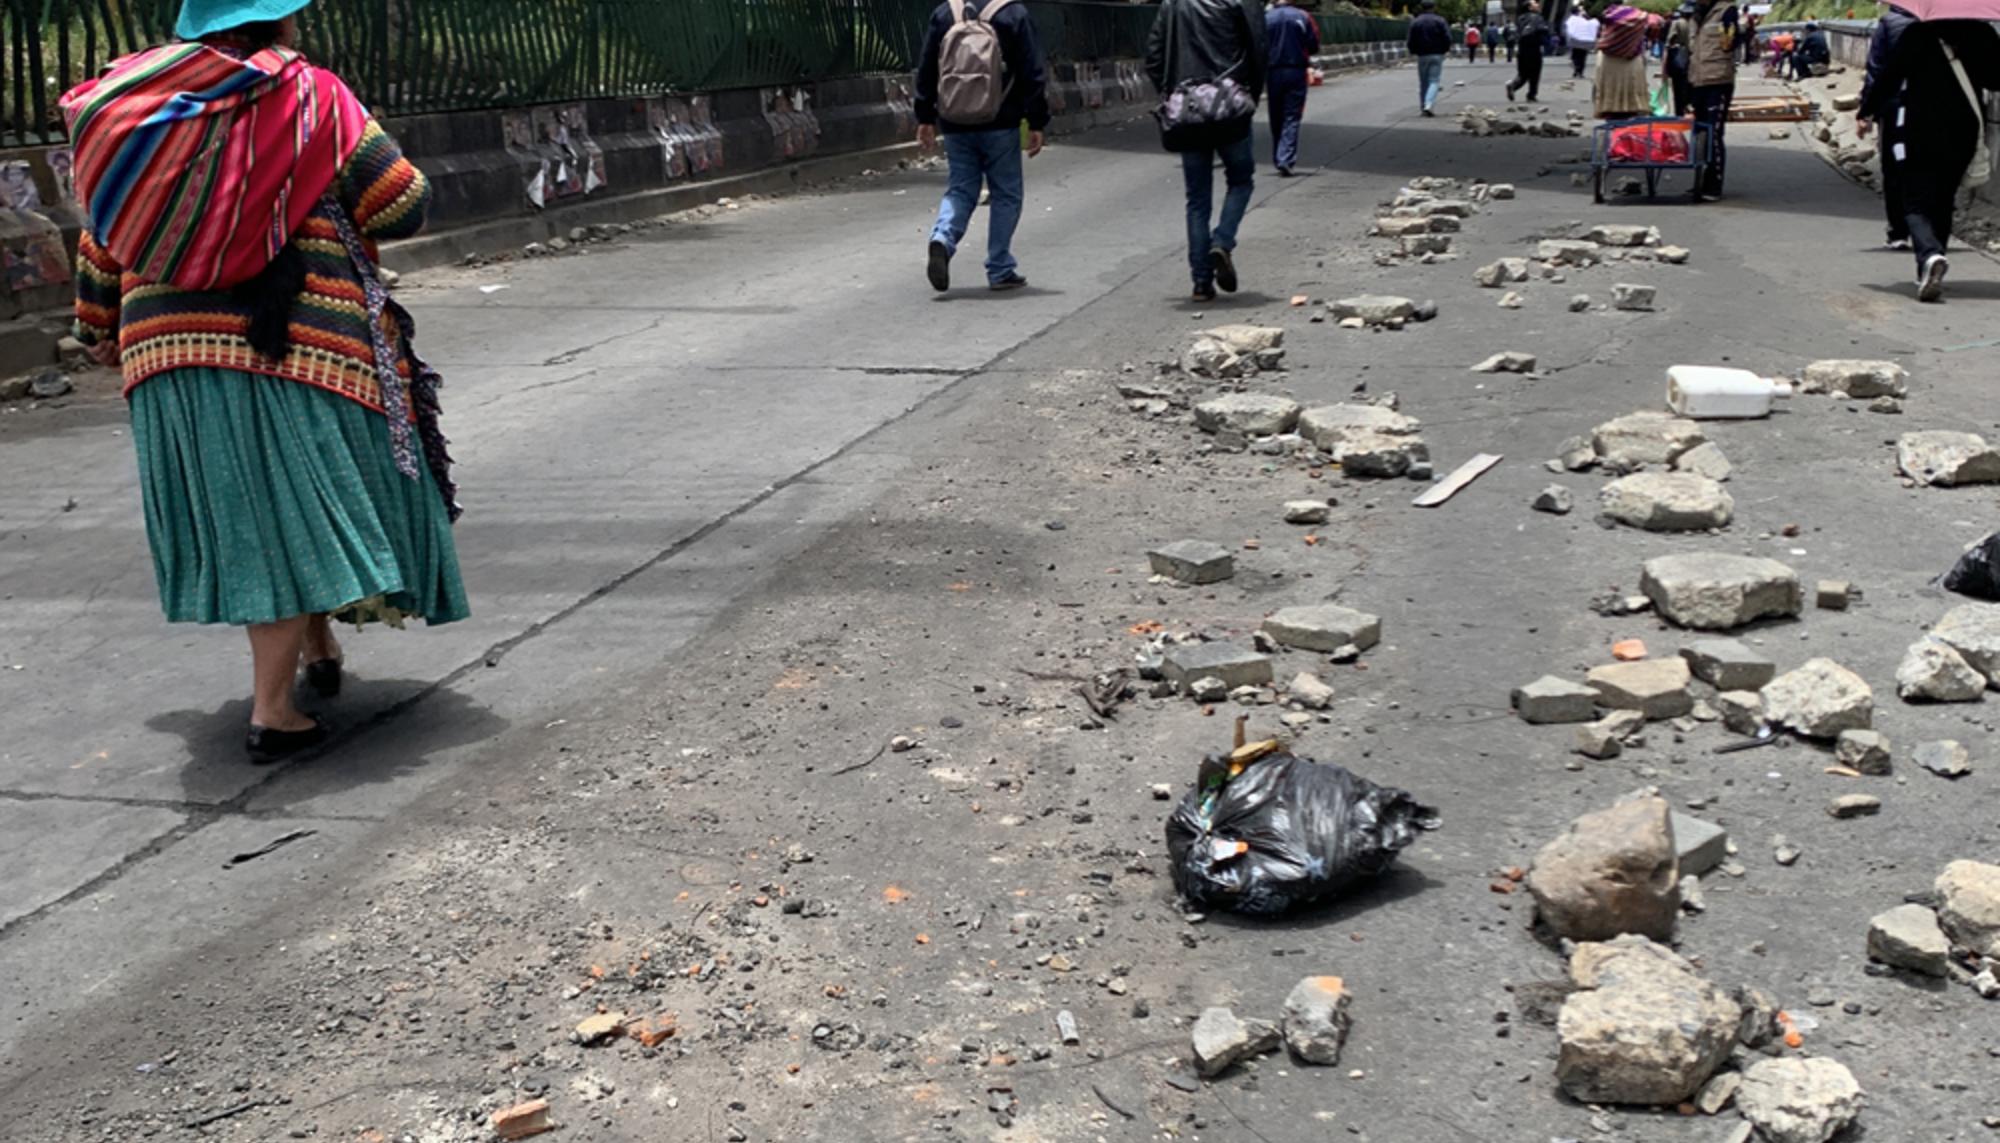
{"x":569,"y":356}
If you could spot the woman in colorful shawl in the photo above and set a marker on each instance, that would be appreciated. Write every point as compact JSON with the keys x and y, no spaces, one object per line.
{"x":1620,"y":91}
{"x":289,"y":459}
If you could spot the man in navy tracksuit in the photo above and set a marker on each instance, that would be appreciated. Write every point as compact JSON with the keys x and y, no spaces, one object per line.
{"x":1292,"y":40}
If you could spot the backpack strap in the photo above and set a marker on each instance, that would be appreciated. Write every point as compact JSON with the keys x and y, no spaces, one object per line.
{"x":993,"y":6}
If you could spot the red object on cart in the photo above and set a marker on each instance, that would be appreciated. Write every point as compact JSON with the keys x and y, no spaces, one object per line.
{"x":1651,"y":143}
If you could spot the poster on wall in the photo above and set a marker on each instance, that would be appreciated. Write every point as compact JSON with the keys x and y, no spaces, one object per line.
{"x":556,"y":143}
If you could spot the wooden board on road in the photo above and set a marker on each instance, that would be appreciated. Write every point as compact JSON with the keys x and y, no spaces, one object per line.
{"x":1461,"y":476}
{"x":1771,"y":109}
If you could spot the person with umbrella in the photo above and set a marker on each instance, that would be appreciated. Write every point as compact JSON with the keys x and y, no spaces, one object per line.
{"x":1923,"y":92}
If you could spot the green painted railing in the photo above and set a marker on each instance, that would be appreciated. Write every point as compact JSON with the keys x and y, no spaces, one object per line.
{"x":407,"y":56}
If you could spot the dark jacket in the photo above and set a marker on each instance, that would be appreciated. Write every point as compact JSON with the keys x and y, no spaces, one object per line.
{"x":1291,"y":39}
{"x":1201,"y":40}
{"x":1430,"y":35}
{"x":1534,"y":33}
{"x":1026,"y":96}
{"x":1907,"y":68}
{"x":1813,"y":49}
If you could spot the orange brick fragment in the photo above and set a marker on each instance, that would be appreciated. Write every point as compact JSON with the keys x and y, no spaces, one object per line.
{"x":523,"y":1120}
{"x":652,"y":1031}
{"x":895,"y":896}
{"x":1628,"y":650}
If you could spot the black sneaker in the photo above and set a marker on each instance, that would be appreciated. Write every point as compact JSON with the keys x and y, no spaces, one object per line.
{"x":1203,"y":292}
{"x":940,"y":267}
{"x":1010,"y":282}
{"x":1930,"y":283}
{"x":1510,"y":93}
{"x":1224,"y":267}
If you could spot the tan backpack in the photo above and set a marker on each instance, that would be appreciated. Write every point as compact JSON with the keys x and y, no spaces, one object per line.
{"x":970,"y":66}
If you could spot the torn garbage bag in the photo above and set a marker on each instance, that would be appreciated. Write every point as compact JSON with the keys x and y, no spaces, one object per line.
{"x":1265,"y":830}
{"x":1977,"y":572}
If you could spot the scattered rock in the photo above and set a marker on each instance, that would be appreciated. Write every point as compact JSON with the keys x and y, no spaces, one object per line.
{"x":1307,"y":511}
{"x":1567,"y":252}
{"x":1646,"y":437}
{"x":1373,"y":309}
{"x":1578,"y":454}
{"x":1555,"y":700}
{"x":1945,"y":458}
{"x":1398,"y":226}
{"x":1854,"y":806}
{"x":1792,"y":1100}
{"x":1323,"y":627}
{"x":48,"y":383}
{"x":73,"y":355}
{"x":1656,"y":688}
{"x":1208,"y":357}
{"x":1890,"y":405}
{"x":1252,"y":414}
{"x":1626,"y":296}
{"x":1316,"y":1019}
{"x":1623,"y":235}
{"x":1513,"y":300}
{"x":1645,"y":1028}
{"x":1832,"y":594}
{"x":1863,"y":751}
{"x":1973,"y":630}
{"x":1248,"y":339}
{"x":1932,"y":670}
{"x":1220,"y":1040}
{"x":1673,"y":255}
{"x":1909,"y":937}
{"x":1555,"y":500}
{"x":1742,"y":711}
{"x":1781,"y":132}
{"x":1578,"y":303}
{"x":1612,"y":871}
{"x":1227,"y":663}
{"x":523,"y":1120}
{"x":1600,"y":740}
{"x":1700,"y":845}
{"x":1819,"y":700}
{"x":1308,"y":690}
{"x":1728,"y":665}
{"x":1500,"y":191}
{"x":1193,"y":561}
{"x":1705,"y":459}
{"x":1945,"y":758}
{"x":1716,"y":591}
{"x":1418,"y":245}
{"x":1496,"y":274}
{"x":602,"y":1026}
{"x":1969,"y":906}
{"x":1667,"y":502}
{"x":1511,"y":361}
{"x":1858,"y":379}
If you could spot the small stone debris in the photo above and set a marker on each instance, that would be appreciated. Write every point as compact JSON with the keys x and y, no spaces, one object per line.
{"x":1396,"y":226}
{"x":1718,"y":1093}
{"x":1700,"y":845}
{"x":1568,"y":252}
{"x":1493,"y":275}
{"x":1645,"y":437}
{"x":1226,"y":663}
{"x":1793,"y":1100}
{"x":1161,"y":791}
{"x":1718,"y":591}
{"x":1626,"y":296}
{"x":1323,"y":627}
{"x":902,"y":744}
{"x":1206,"y":689}
{"x":1854,"y":806}
{"x":1512,"y":300}
{"x":1728,"y":665}
{"x":602,"y":1026}
{"x":1947,"y":459}
{"x":1673,"y":255}
{"x":1973,"y":630}
{"x":1945,"y":758}
{"x":1858,"y":379}
{"x":1066,"y":1028}
{"x":1193,"y":561}
{"x":1778,"y":133}
{"x":1365,"y":440}
{"x":1220,"y":1040}
{"x":1819,"y":700}
{"x":1578,"y":303}
{"x":1888,"y":405}
{"x":1308,"y":690}
{"x":1832,"y":594}
{"x":1624,"y":235}
{"x":1307,"y":511}
{"x":1784,"y":852}
{"x":1611,"y":871}
{"x":1500,"y":191}
{"x":1373,"y":309}
{"x":1705,"y":459}
{"x":48,"y":383}
{"x":1419,"y":245}
{"x":1909,"y":937}
{"x":522,"y":1120}
{"x":1643,"y":1028}
{"x":73,"y":355}
{"x":1550,"y":700}
{"x":1252,"y":414}
{"x":1509,"y":361}
{"x":1932,"y":671}
{"x":1316,"y":1021}
{"x":1577,"y":454}
{"x":1667,"y":502}
{"x":1555,"y":500}
{"x":1863,"y":751}
{"x":1657,"y":688}
{"x":1600,"y":740}
{"x":1969,"y":906}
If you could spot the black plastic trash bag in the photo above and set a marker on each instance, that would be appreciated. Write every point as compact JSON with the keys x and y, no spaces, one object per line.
{"x":1284,"y":831}
{"x":1977,"y":572}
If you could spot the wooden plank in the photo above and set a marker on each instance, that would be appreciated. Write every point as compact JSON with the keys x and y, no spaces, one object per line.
{"x":1461,"y":476}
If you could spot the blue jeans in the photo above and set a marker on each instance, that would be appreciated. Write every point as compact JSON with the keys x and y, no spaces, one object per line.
{"x":1430,"y":79}
{"x":995,"y":158}
{"x":1239,"y":169}
{"x":1285,"y":89}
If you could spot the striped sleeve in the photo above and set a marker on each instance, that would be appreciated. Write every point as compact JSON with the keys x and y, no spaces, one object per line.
{"x":98,"y":290}
{"x":384,"y":191}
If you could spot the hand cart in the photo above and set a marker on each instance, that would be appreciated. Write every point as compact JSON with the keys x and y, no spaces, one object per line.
{"x":1651,"y":145}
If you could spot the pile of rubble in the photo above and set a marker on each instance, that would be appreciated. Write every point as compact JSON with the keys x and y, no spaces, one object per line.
{"x":1427,"y":212}
{"x":1953,"y":931}
{"x":1555,"y":258}
{"x":1485,"y":121}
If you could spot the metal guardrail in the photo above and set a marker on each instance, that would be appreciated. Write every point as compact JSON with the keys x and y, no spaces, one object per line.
{"x":409,"y":56}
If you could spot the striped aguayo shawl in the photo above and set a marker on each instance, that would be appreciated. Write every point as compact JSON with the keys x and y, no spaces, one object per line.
{"x":1623,"y":33}
{"x":195,"y":165}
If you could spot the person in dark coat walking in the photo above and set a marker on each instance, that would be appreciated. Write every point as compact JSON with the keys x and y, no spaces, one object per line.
{"x":1938,"y":70}
{"x":1532,"y":32}
{"x":1430,"y":43}
{"x":1291,"y":41}
{"x":1712,"y":83}
{"x":1201,"y":41}
{"x":1510,"y":36}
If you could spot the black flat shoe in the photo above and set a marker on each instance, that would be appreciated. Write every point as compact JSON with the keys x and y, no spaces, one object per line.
{"x":1204,"y":294}
{"x":938,"y":269}
{"x":1224,"y":266}
{"x":324,"y":677}
{"x":266,"y":746}
{"x":1010,"y":282}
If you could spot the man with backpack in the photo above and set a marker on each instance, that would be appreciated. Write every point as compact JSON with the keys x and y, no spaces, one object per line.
{"x":980,"y":77}
{"x":1429,"y":42}
{"x":1206,"y":58}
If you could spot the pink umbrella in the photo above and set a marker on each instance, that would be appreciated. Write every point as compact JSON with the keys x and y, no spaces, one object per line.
{"x":1951,"y":9}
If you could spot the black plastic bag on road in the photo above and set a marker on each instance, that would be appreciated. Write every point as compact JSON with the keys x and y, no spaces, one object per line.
{"x":1977,"y":572}
{"x":1282,"y":831}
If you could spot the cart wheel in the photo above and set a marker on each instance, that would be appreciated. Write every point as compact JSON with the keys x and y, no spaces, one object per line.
{"x":1597,"y":193}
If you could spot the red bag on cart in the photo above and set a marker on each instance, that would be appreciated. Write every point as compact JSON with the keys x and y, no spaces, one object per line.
{"x":1650,"y":143}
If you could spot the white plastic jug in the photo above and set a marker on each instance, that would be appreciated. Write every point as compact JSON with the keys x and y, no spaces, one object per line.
{"x":1707,"y":393}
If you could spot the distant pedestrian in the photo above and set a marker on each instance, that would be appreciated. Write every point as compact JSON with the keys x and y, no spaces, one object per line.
{"x":1580,"y":32}
{"x":1533,"y":33}
{"x":1674,"y":64}
{"x":979,"y":77}
{"x":1510,"y":35}
{"x":289,"y":453}
{"x":1430,"y":43}
{"x":1712,"y":80}
{"x":1812,"y":55}
{"x":1620,"y":90}
{"x":1211,"y":50}
{"x":1939,"y":68}
{"x":1472,"y":43}
{"x":1881,"y":105}
{"x":1291,"y":40}
{"x":1491,"y":38}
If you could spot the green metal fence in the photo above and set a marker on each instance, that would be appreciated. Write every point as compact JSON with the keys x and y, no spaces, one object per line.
{"x":406,"y":56}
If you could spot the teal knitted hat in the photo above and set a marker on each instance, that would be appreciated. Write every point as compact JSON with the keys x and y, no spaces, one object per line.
{"x":206,"y":17}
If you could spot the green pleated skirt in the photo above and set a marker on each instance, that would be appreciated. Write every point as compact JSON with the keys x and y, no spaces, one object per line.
{"x":268,"y":498}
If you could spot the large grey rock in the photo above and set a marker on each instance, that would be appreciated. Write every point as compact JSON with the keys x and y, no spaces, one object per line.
{"x":1657,"y":688}
{"x":1330,"y":426}
{"x":1193,"y":561}
{"x":1307,"y":511}
{"x":1220,"y":1039}
{"x":1947,"y":458}
{"x":1819,"y":700}
{"x":1612,"y":871}
{"x":1310,"y":690}
{"x":1643,"y":1027}
{"x":1234,"y":666}
{"x":1252,"y":414}
{"x":1791,"y":1100}
{"x":1667,"y":502}
{"x":1863,"y":751}
{"x":1380,"y":454}
{"x":1931,"y":670}
{"x":1973,"y":630}
{"x":1323,"y":627}
{"x":1969,"y":906}
{"x":1909,"y":937}
{"x":1505,"y":271}
{"x":1728,"y":665}
{"x":1208,"y":357}
{"x":1705,"y":459}
{"x":1375,"y":309}
{"x":1555,"y":700}
{"x":1316,"y":1019}
{"x":1616,"y":234}
{"x":1716,"y":591}
{"x":1702,"y":845}
{"x":1858,"y":378}
{"x":1246,"y":338}
{"x":1945,"y":758}
{"x":1645,"y":437}
{"x":1555,"y":500}
{"x":1567,"y":252}
{"x":1397,"y":226}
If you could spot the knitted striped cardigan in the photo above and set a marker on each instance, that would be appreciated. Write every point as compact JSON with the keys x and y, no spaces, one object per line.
{"x":159,"y":328}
